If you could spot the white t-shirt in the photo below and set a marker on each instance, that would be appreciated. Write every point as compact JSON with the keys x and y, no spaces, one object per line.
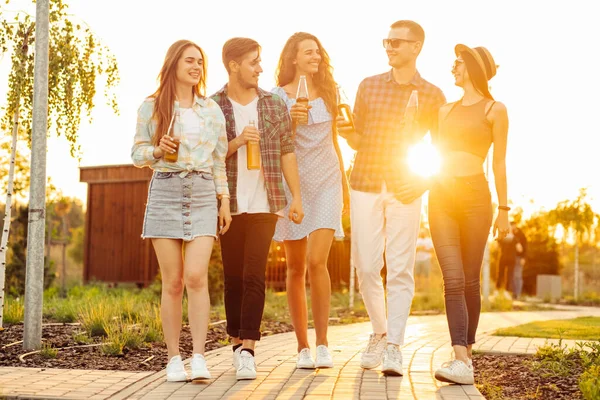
{"x":191,"y":127}
{"x":424,"y":246}
{"x":252,"y":195}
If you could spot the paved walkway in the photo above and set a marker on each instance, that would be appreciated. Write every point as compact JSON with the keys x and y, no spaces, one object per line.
{"x":427,"y":345}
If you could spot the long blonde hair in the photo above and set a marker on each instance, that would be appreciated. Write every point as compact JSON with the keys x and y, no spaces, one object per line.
{"x":164,"y":97}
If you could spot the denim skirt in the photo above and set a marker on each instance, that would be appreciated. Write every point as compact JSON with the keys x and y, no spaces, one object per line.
{"x":181,"y":205}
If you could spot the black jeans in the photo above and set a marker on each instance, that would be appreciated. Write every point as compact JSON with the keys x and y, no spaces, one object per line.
{"x":506,"y":270}
{"x":245,"y":248}
{"x":460,"y":217}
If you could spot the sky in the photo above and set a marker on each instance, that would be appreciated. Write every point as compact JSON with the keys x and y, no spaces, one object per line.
{"x":547,"y":78}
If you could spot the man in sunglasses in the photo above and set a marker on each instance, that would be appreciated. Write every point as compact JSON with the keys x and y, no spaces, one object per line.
{"x":385,"y":196}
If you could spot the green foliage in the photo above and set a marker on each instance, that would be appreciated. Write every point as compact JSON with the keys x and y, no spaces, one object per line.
{"x":589,"y":383}
{"x":77,"y":59}
{"x":75,"y":250}
{"x":575,"y":215}
{"x":16,"y":260}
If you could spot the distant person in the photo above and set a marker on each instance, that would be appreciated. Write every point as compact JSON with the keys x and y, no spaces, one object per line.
{"x":424,"y":254}
{"x":323,"y":186}
{"x":520,"y":242}
{"x":505,"y":276}
{"x":254,"y":117}
{"x":460,"y":203}
{"x":385,"y":195}
{"x":181,"y":135}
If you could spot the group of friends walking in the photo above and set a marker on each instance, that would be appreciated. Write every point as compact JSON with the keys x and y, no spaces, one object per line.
{"x":247,"y":166}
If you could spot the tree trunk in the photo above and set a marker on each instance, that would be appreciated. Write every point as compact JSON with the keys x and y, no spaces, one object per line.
{"x":63,"y":278}
{"x":11,"y":178}
{"x":34,"y":278}
{"x":576,"y":280}
{"x":8,"y":211}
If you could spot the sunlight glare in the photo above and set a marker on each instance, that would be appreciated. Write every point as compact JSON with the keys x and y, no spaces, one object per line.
{"x":424,"y":159}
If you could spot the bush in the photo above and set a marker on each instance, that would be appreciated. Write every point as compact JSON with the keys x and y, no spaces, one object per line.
{"x":589,"y":383}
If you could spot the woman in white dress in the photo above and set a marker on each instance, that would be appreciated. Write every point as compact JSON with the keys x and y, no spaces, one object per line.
{"x":323,"y":187}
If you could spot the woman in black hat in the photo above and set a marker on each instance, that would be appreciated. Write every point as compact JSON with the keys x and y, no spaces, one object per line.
{"x":460,"y":203}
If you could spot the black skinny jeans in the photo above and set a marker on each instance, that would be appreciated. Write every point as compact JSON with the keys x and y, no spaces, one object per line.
{"x":245,"y":248}
{"x":460,"y":217}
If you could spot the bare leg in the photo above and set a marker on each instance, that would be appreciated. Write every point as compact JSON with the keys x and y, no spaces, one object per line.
{"x":460,"y":353}
{"x":197,"y":257}
{"x":168,"y":252}
{"x":295,"y":283}
{"x":319,"y":244}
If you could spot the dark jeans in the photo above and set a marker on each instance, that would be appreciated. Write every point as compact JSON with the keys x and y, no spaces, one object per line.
{"x":460,"y":217}
{"x":245,"y":248}
{"x":504,"y":278}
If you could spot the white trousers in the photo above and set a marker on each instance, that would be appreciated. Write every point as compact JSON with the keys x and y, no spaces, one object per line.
{"x":380,"y":222}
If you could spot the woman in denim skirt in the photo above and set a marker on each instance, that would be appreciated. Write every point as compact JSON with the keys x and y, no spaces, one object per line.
{"x":181,"y":135}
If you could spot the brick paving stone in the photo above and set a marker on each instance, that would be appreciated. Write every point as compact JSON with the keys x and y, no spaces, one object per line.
{"x":427,"y":346}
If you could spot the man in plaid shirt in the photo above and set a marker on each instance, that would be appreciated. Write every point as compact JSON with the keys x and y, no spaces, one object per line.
{"x":257,"y":195}
{"x":385,"y":195}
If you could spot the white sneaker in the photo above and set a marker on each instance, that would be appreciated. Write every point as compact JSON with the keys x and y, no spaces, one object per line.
{"x":305,"y":360}
{"x":455,"y":371}
{"x":392,"y":361}
{"x":199,"y":370}
{"x":176,"y":370}
{"x":324,"y":358}
{"x":246,"y":368}
{"x":236,"y":357}
{"x":372,"y":355}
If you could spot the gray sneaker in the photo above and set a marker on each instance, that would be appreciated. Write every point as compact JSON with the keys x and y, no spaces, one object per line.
{"x":373,"y":354}
{"x":392,"y":361}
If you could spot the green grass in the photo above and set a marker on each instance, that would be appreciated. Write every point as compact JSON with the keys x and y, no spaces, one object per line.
{"x":582,"y":328}
{"x":48,"y":351}
{"x":14,"y":311}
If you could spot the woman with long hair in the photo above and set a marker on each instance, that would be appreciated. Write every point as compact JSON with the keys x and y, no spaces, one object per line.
{"x":180,"y":134}
{"x":323,"y":187}
{"x":460,"y":204}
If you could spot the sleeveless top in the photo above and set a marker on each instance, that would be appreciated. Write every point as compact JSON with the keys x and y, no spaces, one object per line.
{"x":466,"y":128}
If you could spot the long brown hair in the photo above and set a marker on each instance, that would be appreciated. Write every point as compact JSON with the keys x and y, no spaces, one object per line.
{"x":323,"y":79}
{"x":164,"y":97}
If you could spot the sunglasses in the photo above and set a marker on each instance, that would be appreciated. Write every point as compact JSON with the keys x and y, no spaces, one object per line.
{"x":395,"y":43}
